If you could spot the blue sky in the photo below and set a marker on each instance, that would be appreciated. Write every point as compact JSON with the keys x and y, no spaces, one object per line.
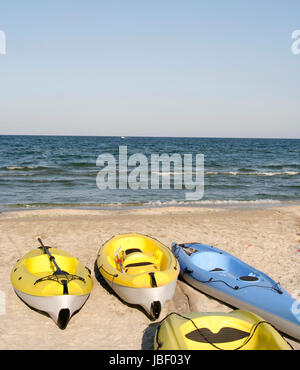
{"x":157,"y":68}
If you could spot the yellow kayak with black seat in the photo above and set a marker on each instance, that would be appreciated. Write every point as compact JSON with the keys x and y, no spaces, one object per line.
{"x":141,"y":270}
{"x":236,"y":330}
{"x":52,"y":281}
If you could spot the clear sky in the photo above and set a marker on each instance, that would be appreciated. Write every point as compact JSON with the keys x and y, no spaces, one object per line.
{"x":150,"y":67}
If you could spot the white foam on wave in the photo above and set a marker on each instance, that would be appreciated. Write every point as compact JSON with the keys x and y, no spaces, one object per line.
{"x":12,"y":168}
{"x":214,"y":202}
{"x":256,"y":173}
{"x":158,"y":203}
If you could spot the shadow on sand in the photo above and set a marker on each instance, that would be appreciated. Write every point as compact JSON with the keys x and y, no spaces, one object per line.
{"x":105,"y":285}
{"x":148,"y":336}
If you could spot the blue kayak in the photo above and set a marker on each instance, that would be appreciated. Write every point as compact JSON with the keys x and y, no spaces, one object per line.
{"x":225,"y":277}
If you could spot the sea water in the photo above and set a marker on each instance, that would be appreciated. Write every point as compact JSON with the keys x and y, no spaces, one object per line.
{"x":47,"y":171}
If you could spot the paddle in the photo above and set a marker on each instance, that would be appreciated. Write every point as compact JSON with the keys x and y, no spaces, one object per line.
{"x":58,"y":271}
{"x":60,"y":276}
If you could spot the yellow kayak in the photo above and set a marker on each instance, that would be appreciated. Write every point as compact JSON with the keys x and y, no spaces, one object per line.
{"x":141,"y":270}
{"x":224,"y":331}
{"x":60,"y":293}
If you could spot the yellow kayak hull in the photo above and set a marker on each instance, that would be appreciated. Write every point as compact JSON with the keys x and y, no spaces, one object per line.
{"x":60,"y":295}
{"x":211,"y":331}
{"x":141,"y":270}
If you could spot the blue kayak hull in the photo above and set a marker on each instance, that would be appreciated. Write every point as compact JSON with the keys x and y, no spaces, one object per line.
{"x":228,"y":279}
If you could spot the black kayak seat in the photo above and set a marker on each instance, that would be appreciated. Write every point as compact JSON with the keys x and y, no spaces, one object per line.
{"x":138,"y":264}
{"x":225,"y":335}
{"x":249,"y":278}
{"x":132,"y":250}
{"x":216,"y":269}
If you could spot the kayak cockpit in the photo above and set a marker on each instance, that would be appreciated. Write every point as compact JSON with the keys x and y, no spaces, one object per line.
{"x":41,"y":263}
{"x":218,"y":262}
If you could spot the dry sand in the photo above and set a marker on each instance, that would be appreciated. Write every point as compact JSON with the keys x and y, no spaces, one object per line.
{"x":264,"y":238}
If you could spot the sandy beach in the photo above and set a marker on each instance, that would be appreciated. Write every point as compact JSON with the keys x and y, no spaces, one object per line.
{"x":266,"y":238}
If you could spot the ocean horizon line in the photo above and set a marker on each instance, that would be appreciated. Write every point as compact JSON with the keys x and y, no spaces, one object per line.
{"x":151,"y":136}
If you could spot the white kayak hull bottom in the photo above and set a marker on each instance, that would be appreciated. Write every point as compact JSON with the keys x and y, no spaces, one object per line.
{"x":285,"y":326}
{"x":59,"y":308}
{"x":151,"y":299}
